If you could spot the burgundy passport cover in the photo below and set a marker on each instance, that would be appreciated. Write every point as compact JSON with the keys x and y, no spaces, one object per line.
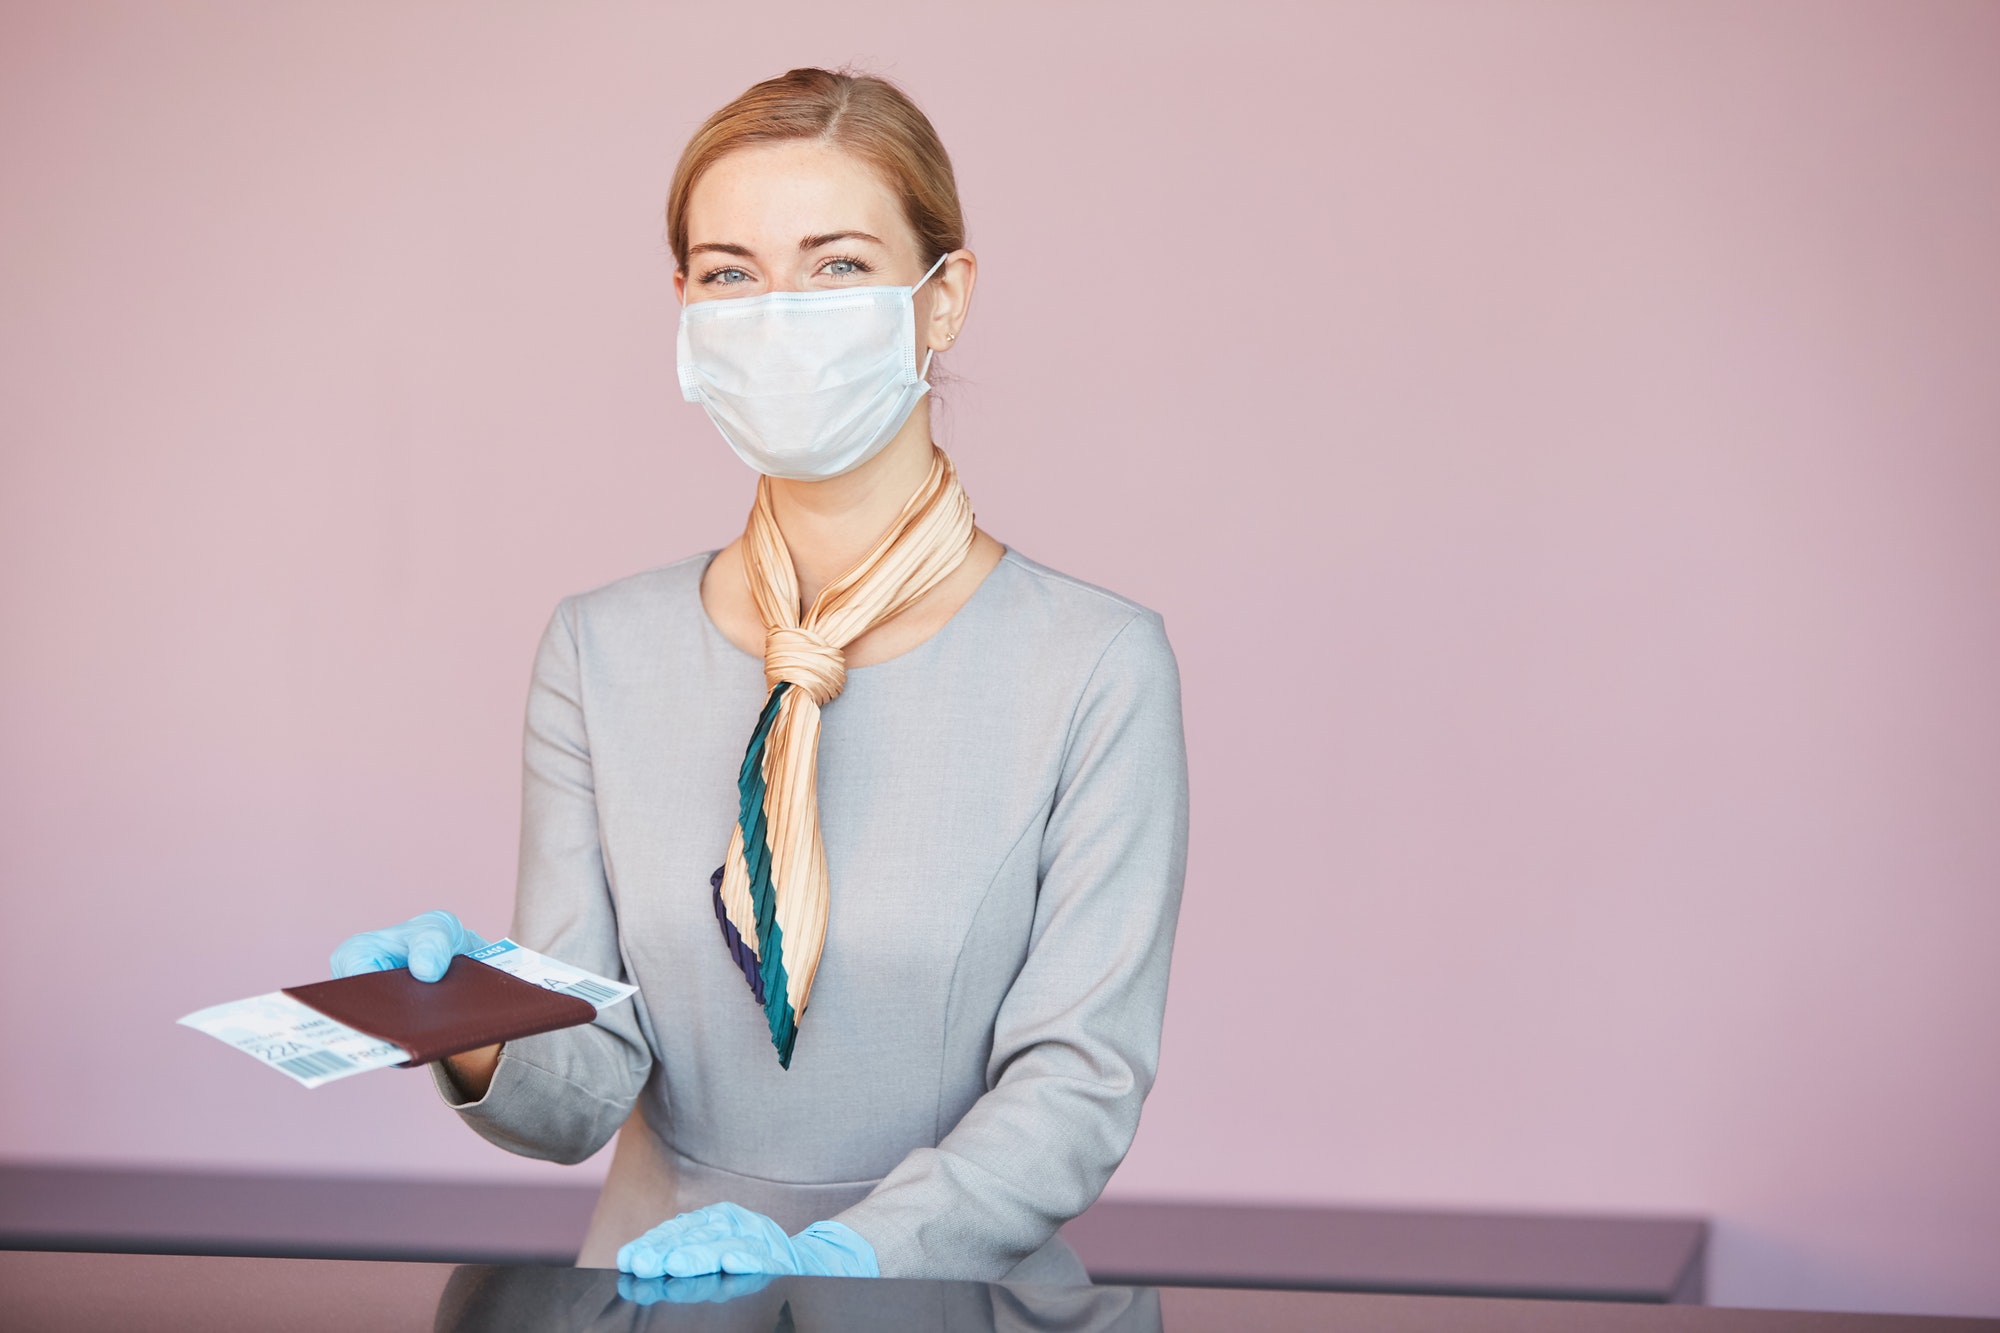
{"x":473,"y":1006}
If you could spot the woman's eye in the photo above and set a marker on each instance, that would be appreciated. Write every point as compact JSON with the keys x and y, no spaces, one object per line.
{"x":843,"y":268}
{"x":725,"y":275}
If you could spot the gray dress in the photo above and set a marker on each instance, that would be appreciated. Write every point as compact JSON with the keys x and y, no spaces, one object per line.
{"x":1004,"y":809}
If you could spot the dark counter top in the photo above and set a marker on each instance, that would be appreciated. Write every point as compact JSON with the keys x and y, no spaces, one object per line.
{"x":88,"y":1293}
{"x":1431,"y":1253}
{"x":1122,"y":1243}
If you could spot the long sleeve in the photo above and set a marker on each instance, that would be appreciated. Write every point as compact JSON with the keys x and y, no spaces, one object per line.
{"x":1076,"y":1039}
{"x":561,"y":1095}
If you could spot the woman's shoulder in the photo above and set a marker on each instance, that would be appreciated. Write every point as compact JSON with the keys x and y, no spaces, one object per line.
{"x":644,"y":589}
{"x":1104,"y":627}
{"x":646,"y":601}
{"x":1102,"y":656}
{"x":1070,"y":594}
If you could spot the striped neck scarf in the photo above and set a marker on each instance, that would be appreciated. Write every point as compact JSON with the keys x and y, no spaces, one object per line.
{"x":771,"y":894}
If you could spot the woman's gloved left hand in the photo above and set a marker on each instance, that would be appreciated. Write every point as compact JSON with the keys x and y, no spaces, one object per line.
{"x":728,"y":1238}
{"x":712,"y":1289}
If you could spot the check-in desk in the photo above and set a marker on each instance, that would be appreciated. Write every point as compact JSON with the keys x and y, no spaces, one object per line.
{"x":98,"y":1293}
{"x":1121,"y":1242}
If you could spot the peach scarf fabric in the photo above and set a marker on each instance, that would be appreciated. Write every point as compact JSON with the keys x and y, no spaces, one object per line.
{"x":771,"y":894}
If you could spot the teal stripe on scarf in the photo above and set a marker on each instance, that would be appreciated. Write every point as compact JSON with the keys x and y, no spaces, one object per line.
{"x":757,"y":860}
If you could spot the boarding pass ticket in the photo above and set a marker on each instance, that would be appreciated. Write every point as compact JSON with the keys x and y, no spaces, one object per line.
{"x":297,"y":1040}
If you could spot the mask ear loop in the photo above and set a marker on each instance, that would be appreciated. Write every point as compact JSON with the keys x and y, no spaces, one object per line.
{"x":925,"y":373}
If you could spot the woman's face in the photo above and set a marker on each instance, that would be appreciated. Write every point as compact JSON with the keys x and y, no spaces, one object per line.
{"x":805,"y":216}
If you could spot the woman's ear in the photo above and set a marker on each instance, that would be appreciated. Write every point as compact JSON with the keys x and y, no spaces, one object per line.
{"x":680,"y":286}
{"x":953,"y":287}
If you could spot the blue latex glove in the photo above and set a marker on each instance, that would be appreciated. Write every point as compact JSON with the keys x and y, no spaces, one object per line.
{"x":728,"y":1238}
{"x":424,"y":944}
{"x":713,"y":1289}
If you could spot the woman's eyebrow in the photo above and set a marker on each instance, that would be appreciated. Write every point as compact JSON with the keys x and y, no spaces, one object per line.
{"x":720,"y":247}
{"x":815,"y":242}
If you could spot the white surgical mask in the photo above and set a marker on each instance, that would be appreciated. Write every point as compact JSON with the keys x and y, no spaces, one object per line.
{"x":805,"y":385}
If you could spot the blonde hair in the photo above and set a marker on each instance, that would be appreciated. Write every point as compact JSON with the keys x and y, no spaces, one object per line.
{"x":868,"y":116}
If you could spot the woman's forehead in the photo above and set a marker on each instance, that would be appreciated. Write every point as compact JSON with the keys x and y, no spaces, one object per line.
{"x":779,"y":194}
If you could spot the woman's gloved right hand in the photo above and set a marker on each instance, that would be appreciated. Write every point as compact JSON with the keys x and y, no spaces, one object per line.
{"x":424,"y":944}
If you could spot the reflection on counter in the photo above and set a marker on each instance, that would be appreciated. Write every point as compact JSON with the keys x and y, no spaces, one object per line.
{"x":93,"y":1293}
{"x":586,"y":1300}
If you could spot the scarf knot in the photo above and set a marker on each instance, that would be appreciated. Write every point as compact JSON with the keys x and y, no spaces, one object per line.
{"x":806,"y":661}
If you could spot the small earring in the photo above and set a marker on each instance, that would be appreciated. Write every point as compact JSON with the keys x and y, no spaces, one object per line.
{"x":950,"y":338}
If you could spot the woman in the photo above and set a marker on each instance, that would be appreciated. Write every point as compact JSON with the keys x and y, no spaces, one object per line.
{"x":958,"y":830}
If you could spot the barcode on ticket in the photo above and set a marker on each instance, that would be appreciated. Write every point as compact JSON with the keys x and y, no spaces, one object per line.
{"x":315,"y":1064}
{"x":553,"y":974}
{"x":592,"y":991}
{"x":294,"y":1038}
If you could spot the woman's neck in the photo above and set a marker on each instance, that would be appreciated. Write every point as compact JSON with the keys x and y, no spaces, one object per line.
{"x":829,"y":525}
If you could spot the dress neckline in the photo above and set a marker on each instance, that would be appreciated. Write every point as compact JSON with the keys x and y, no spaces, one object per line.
{"x":714,"y":631}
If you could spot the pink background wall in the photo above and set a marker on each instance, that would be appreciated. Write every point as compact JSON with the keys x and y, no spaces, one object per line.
{"x":1564,"y":440}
